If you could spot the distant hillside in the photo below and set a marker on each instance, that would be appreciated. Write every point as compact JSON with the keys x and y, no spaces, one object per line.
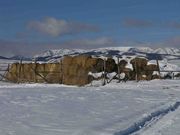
{"x":16,"y":57}
{"x":1,"y":57}
{"x":160,"y":53}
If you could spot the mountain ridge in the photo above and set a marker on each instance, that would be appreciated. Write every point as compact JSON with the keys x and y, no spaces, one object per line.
{"x":159,"y":53}
{"x":150,"y":53}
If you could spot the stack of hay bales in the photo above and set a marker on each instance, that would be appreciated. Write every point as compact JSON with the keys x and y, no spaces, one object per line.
{"x":34,"y":72}
{"x":74,"y":70}
{"x":20,"y":72}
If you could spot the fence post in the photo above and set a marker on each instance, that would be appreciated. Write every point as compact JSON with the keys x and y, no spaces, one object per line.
{"x":118,"y":70}
{"x":173,"y":75}
{"x":158,"y":67}
{"x":8,"y":68}
{"x":35,"y":80}
{"x":104,"y":69}
{"x":61,"y":72}
{"x":19,"y":71}
{"x":136,"y":71}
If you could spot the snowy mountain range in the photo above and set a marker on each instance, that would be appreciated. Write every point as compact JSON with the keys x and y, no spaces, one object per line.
{"x":160,"y":53}
{"x":150,"y":53}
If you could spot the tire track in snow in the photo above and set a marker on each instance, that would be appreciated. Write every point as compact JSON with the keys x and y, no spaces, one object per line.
{"x":144,"y":121}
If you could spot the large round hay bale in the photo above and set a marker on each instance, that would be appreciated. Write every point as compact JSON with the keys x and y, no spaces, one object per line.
{"x":96,"y":64}
{"x":122,"y":65}
{"x":149,"y":71}
{"x":111,"y":65}
{"x":139,"y":64}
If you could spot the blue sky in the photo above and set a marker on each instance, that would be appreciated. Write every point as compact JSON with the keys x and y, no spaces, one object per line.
{"x":44,"y":24}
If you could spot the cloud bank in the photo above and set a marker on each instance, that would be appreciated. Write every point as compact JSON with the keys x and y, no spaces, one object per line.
{"x":58,"y":27}
{"x":137,"y":23}
{"x":11,"y":48}
{"x":175,"y":25}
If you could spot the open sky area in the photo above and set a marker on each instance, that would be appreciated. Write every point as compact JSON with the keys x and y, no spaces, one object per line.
{"x":31,"y":26}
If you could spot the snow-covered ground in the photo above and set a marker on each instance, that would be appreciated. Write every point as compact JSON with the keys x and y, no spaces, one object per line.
{"x":147,"y":108}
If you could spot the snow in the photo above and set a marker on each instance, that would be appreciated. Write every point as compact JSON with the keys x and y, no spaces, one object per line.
{"x":53,"y":109}
{"x":166,"y":126}
{"x":58,"y":52}
{"x":155,"y":73}
{"x":111,"y":75}
{"x":122,"y":75}
{"x":128,"y":59}
{"x":172,"y":51}
{"x":129,"y":65}
{"x":165,"y":66}
{"x":96,"y":75}
{"x":154,"y":62}
{"x":100,"y":74}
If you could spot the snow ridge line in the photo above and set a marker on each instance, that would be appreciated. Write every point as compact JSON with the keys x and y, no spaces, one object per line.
{"x":138,"y":125}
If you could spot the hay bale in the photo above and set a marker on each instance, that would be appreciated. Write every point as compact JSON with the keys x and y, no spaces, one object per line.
{"x":139,"y":64}
{"x":129,"y":73}
{"x":149,"y":71}
{"x":96,"y":64}
{"x":12,"y":75}
{"x":51,"y":72}
{"x":76,"y":69}
{"x":27,"y":72}
{"x":122,"y":65}
{"x":111,"y":65}
{"x":139,"y":67}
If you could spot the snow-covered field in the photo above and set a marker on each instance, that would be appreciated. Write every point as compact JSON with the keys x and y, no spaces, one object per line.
{"x":146,"y":108}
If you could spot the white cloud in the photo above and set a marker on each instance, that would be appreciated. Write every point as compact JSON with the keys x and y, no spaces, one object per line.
{"x":54,"y":27}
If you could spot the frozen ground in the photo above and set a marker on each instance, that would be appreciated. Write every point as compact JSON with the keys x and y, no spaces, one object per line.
{"x":145,"y":108}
